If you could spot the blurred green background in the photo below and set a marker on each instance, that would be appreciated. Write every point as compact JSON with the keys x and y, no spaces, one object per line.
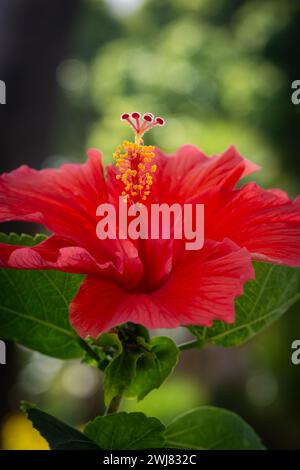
{"x":220,"y":73}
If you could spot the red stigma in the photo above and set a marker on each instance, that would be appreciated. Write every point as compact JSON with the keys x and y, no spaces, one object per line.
{"x":141,"y":126}
{"x":160,"y":121}
{"x":148,"y":117}
{"x":135,"y":115}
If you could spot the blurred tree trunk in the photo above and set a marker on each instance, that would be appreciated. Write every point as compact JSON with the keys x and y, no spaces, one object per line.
{"x":33,"y":39}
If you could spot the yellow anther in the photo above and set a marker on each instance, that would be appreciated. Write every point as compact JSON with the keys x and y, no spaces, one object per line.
{"x":134,"y":169}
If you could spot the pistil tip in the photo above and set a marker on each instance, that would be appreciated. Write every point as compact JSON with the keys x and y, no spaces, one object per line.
{"x":141,"y":126}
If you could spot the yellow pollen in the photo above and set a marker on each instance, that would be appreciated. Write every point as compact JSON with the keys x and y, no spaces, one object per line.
{"x":134,"y":160}
{"x":134,"y":168}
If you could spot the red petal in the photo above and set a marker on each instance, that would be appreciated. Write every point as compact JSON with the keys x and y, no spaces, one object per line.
{"x":63,"y":199}
{"x":185,"y":159}
{"x":190,"y":173}
{"x":266,"y":222}
{"x":48,"y":251}
{"x":201,"y":289}
{"x":56,"y":253}
{"x":53,"y":253}
{"x":204,"y":286}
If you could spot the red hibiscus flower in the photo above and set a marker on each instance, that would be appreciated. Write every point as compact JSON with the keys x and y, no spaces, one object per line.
{"x":156,"y":283}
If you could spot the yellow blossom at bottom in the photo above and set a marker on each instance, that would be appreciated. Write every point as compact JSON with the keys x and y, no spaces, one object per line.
{"x":17,"y":433}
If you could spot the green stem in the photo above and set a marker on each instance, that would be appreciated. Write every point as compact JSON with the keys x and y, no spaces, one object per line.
{"x":90,"y":352}
{"x":190,"y":345}
{"x":116,"y":402}
{"x":114,"y":406}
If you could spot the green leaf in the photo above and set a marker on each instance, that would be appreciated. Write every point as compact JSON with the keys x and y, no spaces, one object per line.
{"x":270,"y":295}
{"x":121,"y":369}
{"x":105,"y":348}
{"x":34,"y":306}
{"x":110,"y":342}
{"x":210,"y":428}
{"x":136,"y":368}
{"x":119,"y":374}
{"x":153,"y":367}
{"x":23,"y":239}
{"x":59,"y":435}
{"x":123,"y":431}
